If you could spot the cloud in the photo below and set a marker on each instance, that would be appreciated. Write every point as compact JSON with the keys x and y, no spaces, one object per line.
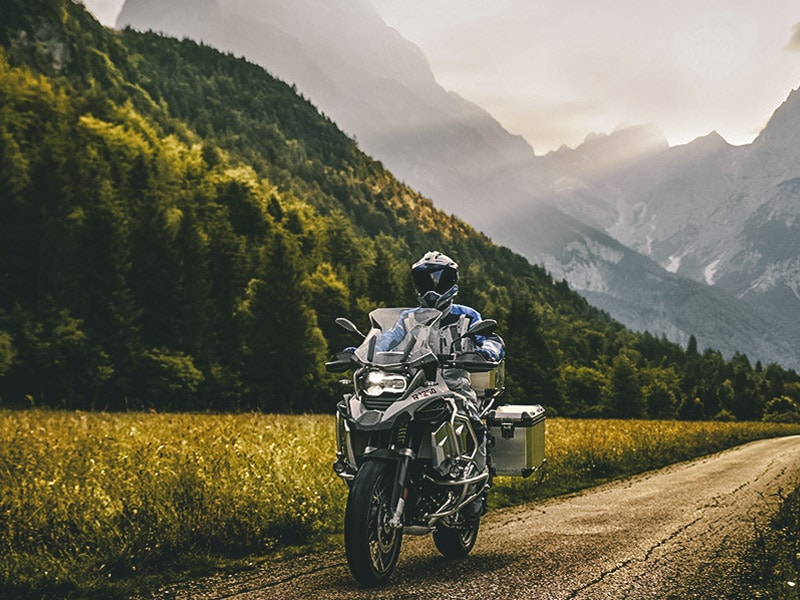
{"x":794,"y":43}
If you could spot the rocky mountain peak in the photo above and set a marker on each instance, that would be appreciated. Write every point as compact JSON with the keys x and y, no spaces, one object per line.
{"x":784,"y":125}
{"x":601,"y":154}
{"x":711,"y":140}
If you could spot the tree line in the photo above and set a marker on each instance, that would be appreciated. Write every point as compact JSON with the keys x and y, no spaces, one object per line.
{"x":178,"y":231}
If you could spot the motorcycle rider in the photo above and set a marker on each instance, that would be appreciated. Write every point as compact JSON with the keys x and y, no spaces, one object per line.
{"x":435,"y":277}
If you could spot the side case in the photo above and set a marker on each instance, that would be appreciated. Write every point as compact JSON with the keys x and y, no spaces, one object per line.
{"x":518,"y":433}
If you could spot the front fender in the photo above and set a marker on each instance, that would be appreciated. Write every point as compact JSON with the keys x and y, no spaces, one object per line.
{"x":381,"y":454}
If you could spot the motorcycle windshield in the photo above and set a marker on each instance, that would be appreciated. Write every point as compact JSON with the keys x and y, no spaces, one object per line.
{"x":399,"y":336}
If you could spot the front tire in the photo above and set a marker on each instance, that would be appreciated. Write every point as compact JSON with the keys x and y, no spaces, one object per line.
{"x":457,"y":542}
{"x":371,"y":545}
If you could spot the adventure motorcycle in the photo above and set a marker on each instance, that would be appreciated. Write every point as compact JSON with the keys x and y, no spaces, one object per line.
{"x":406,"y":447}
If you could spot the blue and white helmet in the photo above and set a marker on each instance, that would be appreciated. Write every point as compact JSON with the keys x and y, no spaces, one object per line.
{"x":435,"y":276}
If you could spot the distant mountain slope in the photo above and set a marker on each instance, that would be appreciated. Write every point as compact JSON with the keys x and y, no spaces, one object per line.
{"x":762,"y":266}
{"x":641,"y":294}
{"x":373,"y":83}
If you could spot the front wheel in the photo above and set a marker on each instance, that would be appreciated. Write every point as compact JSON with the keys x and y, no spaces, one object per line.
{"x":457,"y":542}
{"x":371,"y":545}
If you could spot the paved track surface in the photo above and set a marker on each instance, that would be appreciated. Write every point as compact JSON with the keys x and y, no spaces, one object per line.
{"x":674,"y":533}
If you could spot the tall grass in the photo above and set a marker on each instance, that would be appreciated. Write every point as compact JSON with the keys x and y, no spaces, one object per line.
{"x":90,"y":500}
{"x":582,"y":453}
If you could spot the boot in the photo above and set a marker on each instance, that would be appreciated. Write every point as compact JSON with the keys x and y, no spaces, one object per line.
{"x":476,"y":508}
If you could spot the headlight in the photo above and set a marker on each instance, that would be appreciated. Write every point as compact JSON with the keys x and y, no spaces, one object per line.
{"x":377,"y":383}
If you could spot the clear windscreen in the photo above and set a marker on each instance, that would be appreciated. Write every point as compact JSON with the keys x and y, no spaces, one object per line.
{"x":398,"y":336}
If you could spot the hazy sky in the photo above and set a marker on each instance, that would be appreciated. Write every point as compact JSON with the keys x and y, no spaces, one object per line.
{"x":556,"y":70}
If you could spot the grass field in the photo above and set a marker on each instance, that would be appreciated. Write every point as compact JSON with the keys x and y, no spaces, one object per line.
{"x":93,"y":503}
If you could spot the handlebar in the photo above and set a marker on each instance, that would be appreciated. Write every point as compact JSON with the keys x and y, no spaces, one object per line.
{"x":341,"y":362}
{"x":471,"y":362}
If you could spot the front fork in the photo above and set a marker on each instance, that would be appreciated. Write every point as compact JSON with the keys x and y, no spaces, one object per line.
{"x":400,"y":491}
{"x":409,"y":442}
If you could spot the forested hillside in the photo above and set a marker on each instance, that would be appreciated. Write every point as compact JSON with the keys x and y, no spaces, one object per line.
{"x":178,"y":230}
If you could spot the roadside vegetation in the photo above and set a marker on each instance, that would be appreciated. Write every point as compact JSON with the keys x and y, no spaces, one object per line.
{"x":100,"y":505}
{"x":772,"y":566}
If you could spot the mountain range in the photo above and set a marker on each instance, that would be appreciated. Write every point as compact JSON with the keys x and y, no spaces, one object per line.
{"x":721,"y":215}
{"x":698,"y":239}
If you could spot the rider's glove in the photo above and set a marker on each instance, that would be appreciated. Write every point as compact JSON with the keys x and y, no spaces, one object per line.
{"x":485,"y":354}
{"x":490,"y":350}
{"x":349,"y":349}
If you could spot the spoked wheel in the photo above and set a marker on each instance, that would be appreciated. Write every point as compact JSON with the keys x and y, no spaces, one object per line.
{"x":457,"y":542}
{"x":371,"y":545}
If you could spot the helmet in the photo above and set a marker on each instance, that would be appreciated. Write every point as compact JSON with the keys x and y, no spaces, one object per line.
{"x":435,"y":276}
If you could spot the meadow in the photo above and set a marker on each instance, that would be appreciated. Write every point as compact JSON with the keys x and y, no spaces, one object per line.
{"x":103,"y":503}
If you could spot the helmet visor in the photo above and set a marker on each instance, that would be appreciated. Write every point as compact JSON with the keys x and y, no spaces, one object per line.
{"x":434,"y":280}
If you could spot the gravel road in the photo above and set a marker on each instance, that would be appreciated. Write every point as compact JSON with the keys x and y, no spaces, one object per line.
{"x":674,"y":533}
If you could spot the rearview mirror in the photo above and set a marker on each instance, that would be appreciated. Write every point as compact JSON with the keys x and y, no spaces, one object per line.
{"x":484,"y":327}
{"x":348,"y":325}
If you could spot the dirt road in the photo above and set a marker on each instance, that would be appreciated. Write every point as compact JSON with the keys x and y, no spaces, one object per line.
{"x":674,"y":533}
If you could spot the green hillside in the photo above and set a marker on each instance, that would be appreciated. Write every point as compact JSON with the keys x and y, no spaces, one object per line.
{"x":178,"y":230}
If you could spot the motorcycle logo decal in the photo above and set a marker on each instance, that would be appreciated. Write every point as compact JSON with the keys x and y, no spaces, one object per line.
{"x":424,"y":393}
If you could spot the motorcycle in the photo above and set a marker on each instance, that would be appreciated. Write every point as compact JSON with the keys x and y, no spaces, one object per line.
{"x":406,"y":447}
